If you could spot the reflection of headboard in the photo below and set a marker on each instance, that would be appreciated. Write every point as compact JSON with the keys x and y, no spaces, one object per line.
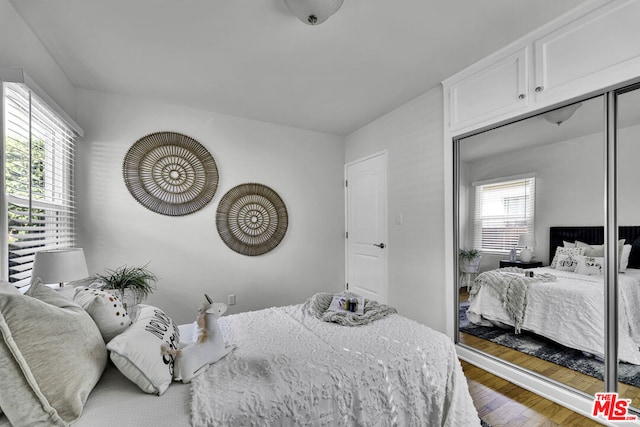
{"x":594,"y":235}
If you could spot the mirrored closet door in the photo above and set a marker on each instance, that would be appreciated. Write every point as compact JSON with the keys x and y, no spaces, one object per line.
{"x":628,"y":208}
{"x":530,"y":201}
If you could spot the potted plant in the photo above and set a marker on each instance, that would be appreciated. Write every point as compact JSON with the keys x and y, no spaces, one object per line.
{"x":131,"y":284}
{"x":469,"y":260}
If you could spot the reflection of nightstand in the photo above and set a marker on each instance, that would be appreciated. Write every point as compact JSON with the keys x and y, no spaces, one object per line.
{"x":521,"y":264}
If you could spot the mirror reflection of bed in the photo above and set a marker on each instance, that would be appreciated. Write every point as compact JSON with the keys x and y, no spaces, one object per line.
{"x":567,"y":163}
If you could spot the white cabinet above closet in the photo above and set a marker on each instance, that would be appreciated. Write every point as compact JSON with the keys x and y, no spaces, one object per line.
{"x":592,"y":47}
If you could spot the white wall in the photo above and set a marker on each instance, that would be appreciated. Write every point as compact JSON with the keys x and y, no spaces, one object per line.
{"x":413,"y":136}
{"x":304,"y":167}
{"x":20,"y":48}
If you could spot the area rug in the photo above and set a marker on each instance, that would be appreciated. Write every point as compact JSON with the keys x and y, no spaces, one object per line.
{"x":548,"y":350}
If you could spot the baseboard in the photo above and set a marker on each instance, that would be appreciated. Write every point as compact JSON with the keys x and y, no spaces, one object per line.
{"x":577,"y":401}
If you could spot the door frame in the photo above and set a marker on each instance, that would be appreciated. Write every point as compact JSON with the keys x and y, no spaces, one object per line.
{"x":385,"y":154}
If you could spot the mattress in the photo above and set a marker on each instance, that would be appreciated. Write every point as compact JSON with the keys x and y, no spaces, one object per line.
{"x":290,"y":368}
{"x":570,"y":311}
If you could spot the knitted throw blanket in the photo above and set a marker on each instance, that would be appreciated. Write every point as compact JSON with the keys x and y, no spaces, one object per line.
{"x":319,"y":303}
{"x":511,"y":287}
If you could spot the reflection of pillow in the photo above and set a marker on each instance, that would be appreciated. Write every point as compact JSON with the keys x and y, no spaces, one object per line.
{"x":591,"y":250}
{"x":138,"y":353}
{"x":567,"y":262}
{"x":565,"y":251}
{"x":624,"y":257}
{"x":51,"y":354}
{"x":593,"y":266}
{"x":105,"y":309}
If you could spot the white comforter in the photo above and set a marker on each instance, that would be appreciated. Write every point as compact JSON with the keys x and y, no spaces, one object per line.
{"x":290,"y":368}
{"x":570,"y":311}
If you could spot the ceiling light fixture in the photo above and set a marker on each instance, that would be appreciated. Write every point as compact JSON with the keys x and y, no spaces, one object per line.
{"x":313,"y":12}
{"x":561,"y":114}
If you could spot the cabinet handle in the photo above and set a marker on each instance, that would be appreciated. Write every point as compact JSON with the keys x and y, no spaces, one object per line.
{"x":539,"y":89}
{"x":380,"y":245}
{"x":521,"y":96}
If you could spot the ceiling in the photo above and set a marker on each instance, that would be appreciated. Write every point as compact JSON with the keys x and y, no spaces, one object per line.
{"x":255,"y":59}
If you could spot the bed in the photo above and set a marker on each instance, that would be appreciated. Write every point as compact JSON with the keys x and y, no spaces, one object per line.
{"x":569,"y":308}
{"x":288,"y":367}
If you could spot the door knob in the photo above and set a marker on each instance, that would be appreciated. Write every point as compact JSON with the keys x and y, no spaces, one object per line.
{"x":380,"y":245}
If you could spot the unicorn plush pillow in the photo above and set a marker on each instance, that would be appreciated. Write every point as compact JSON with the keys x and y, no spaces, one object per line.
{"x":209,"y":347}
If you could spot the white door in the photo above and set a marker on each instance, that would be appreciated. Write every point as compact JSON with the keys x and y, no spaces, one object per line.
{"x":366,"y":203}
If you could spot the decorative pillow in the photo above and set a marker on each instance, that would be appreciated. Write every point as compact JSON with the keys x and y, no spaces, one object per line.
{"x":51,"y":357}
{"x":105,"y":309}
{"x":138,"y":351}
{"x":8,"y":288}
{"x":567,"y":262}
{"x":593,"y":266}
{"x":565,"y":251}
{"x":208,"y":348}
{"x":624,"y":258}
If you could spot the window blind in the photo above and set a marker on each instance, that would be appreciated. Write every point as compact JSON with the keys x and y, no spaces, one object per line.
{"x":39,"y":156}
{"x":504,"y":210}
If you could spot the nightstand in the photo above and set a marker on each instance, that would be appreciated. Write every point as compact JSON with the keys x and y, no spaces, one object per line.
{"x":520,"y":264}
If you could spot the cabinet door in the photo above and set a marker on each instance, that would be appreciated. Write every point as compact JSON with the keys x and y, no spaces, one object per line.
{"x":491,"y":92}
{"x":597,"y":50}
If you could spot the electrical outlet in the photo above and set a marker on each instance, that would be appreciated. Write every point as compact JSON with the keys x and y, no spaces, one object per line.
{"x":231,"y":299}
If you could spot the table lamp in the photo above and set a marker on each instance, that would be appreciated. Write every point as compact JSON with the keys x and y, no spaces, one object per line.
{"x":59,"y":266}
{"x":527,"y":242}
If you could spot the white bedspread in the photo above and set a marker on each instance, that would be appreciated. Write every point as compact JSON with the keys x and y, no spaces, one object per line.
{"x":570,"y":311}
{"x":290,"y":368}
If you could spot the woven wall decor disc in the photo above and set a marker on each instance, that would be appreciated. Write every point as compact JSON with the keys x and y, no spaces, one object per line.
{"x":252,"y":219}
{"x":170,"y":173}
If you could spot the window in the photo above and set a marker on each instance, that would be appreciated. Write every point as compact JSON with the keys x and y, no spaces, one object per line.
{"x":38,"y":180}
{"x":504,"y":210}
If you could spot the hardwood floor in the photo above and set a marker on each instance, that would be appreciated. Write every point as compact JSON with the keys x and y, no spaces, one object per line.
{"x":503,"y":404}
{"x":507,"y":404}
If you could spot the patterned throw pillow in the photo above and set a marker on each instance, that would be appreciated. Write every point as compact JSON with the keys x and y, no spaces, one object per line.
{"x":565,"y":251}
{"x":140,"y":352}
{"x":105,"y":309}
{"x":567,"y":262}
{"x":592,"y":266}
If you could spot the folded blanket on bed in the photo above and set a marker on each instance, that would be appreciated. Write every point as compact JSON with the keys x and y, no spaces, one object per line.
{"x":373,"y":310}
{"x":511,"y":287}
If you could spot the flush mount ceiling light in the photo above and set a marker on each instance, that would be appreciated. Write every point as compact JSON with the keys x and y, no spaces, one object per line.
{"x":313,"y":12}
{"x":561,"y":114}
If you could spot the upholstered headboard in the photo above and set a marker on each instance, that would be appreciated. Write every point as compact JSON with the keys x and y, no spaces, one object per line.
{"x":594,"y":235}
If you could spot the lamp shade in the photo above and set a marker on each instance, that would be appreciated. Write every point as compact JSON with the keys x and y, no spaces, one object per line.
{"x":59,"y":265}
{"x":313,"y":12}
{"x":526,"y":241}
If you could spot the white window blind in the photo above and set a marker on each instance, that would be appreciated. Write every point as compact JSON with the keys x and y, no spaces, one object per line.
{"x":504,"y":210}
{"x":38,"y":166}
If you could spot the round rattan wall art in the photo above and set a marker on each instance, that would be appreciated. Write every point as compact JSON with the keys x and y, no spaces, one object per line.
{"x":252,"y":219}
{"x":170,"y":173}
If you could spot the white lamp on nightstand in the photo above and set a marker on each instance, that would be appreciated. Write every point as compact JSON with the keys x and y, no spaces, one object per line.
{"x":528,"y":243}
{"x":59,"y":266}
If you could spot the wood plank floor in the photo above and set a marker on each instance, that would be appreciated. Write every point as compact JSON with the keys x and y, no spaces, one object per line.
{"x":503,"y":404}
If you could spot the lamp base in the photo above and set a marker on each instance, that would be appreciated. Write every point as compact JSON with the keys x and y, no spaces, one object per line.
{"x":526,"y":255}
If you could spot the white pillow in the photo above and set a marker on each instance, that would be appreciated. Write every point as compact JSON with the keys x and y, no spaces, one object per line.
{"x":565,"y":251}
{"x":138,"y":351}
{"x":567,"y":262}
{"x":105,"y":309}
{"x":624,"y":258}
{"x":51,"y":357}
{"x":592,"y":266}
{"x":568,"y":244}
{"x":591,"y":250}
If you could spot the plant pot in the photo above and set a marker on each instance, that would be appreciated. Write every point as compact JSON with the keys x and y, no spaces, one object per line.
{"x":128,"y":297}
{"x":470,"y":266}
